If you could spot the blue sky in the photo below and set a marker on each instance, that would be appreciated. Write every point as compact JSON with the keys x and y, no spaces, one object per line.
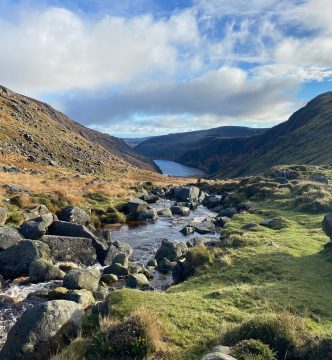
{"x":148,"y":67}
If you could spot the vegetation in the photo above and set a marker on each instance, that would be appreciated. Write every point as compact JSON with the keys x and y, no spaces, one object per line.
{"x":252,"y":350}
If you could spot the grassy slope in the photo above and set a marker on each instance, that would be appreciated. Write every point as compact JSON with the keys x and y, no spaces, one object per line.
{"x":284,"y":271}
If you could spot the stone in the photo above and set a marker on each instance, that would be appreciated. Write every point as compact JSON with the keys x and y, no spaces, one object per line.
{"x":109,"y":279}
{"x":116,"y":269}
{"x":8,"y":237}
{"x":136,"y":205}
{"x":219,"y":353}
{"x":117,"y":247}
{"x":33,"y":230}
{"x":249,"y":226}
{"x":138,"y":281}
{"x":276,"y":223}
{"x":165,"y":212}
{"x":122,"y":259}
{"x":187,"y":193}
{"x":213,"y":201}
{"x":149,"y":198}
{"x":82,"y":279}
{"x":43,"y":270}
{"x":72,"y":249}
{"x":197,"y":241}
{"x":15,"y":261}
{"x":15,"y":189}
{"x":326,"y":225}
{"x":101,"y":294}
{"x":83,"y":297}
{"x":76,"y":215}
{"x":168,"y":250}
{"x":152,"y":263}
{"x":57,"y":293}
{"x":165,"y":265}
{"x":43,"y":331}
{"x":62,"y":228}
{"x":180,"y":210}
{"x":228,"y":212}
{"x":146,"y":215}
{"x":205,"y":227}
{"x":187,"y":230}
{"x":36,"y":212}
{"x":3,"y":216}
{"x":221,"y":221}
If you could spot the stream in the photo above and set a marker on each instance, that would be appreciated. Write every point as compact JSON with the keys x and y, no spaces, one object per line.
{"x":145,"y":238}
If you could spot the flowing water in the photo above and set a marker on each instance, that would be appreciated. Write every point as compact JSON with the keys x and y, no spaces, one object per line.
{"x":145,"y":238}
{"x":176,"y":169}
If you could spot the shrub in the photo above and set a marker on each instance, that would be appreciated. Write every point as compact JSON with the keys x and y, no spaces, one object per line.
{"x":253,"y":349}
{"x":135,"y":337}
{"x":284,"y":334}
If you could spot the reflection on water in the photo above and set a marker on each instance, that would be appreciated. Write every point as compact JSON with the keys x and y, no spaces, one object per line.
{"x":176,"y":169}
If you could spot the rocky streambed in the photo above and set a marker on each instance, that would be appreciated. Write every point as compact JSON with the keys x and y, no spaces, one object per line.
{"x":49,"y":258}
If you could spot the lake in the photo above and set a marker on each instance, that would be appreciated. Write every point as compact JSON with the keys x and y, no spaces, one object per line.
{"x":176,"y":169}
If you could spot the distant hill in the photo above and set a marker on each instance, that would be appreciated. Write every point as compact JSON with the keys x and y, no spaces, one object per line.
{"x":43,"y":135}
{"x":175,"y":146}
{"x":132,"y":142}
{"x":306,"y":138}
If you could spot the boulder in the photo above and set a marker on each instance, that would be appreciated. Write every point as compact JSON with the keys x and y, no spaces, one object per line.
{"x":249,"y":226}
{"x":36,"y":212}
{"x":43,"y":330}
{"x":205,"y":227}
{"x":3,"y":216}
{"x":43,"y":270}
{"x":76,"y":249}
{"x":122,"y":259}
{"x":213,"y":201}
{"x":46,"y":219}
{"x":8,"y":237}
{"x":228,"y":212}
{"x":187,"y":193}
{"x":104,"y":234}
{"x":327,"y":225}
{"x":180,"y":210}
{"x":58,"y":293}
{"x":109,"y":279}
{"x":146,"y":215}
{"x":187,"y":230}
{"x":138,"y":281}
{"x":76,"y":215}
{"x":165,"y":212}
{"x":165,"y":266}
{"x":117,"y":247}
{"x":16,"y":260}
{"x":83,"y":297}
{"x":149,"y":198}
{"x":62,"y":228}
{"x":82,"y":279}
{"x":136,"y":205}
{"x":276,"y":223}
{"x":33,"y":230}
{"x":168,"y":250}
{"x":197,"y":241}
{"x":116,"y":269}
{"x":16,"y":189}
{"x":152,"y":263}
{"x":219,"y":353}
{"x":221,"y":221}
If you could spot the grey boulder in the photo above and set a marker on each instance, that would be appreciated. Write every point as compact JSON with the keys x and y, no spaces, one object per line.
{"x":180,"y":210}
{"x":8,"y":237}
{"x":43,"y":270}
{"x":3,"y":216}
{"x":138,"y":281}
{"x":168,"y":250}
{"x":33,"y":230}
{"x":116,"y":248}
{"x":82,"y":279}
{"x":327,"y":225}
{"x":76,"y":215}
{"x":165,"y":212}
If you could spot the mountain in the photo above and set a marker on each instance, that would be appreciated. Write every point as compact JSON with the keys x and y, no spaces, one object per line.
{"x":306,"y":138}
{"x":132,"y":142}
{"x":174,"y":146}
{"x":43,"y":135}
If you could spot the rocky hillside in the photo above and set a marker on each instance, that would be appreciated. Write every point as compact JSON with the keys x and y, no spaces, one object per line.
{"x":45,"y":136}
{"x":306,"y":138}
{"x":174,"y":146}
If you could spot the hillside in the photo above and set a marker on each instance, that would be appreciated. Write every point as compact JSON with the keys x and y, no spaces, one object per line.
{"x":306,"y":138}
{"x":174,"y":146}
{"x":45,"y":136}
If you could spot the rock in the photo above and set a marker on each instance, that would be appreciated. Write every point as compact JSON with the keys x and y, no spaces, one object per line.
{"x":187,"y":230}
{"x":219,"y":353}
{"x":221,"y":221}
{"x":36,"y":212}
{"x":104,"y":234}
{"x":205,"y":227}
{"x":146,"y":215}
{"x":83,"y":297}
{"x":33,"y":230}
{"x":249,"y":226}
{"x":3,"y":216}
{"x":62,"y":228}
{"x":122,"y":259}
{"x":43,"y":330}
{"x":187,"y":193}
{"x":320,"y":178}
{"x":117,"y":247}
{"x":82,"y":279}
{"x":281,"y":180}
{"x":43,"y":270}
{"x":327,"y":225}
{"x":57,"y":293}
{"x":277,"y":223}
{"x":168,"y":250}
{"x":212,"y":202}
{"x":149,"y":198}
{"x":76,"y":215}
{"x":180,"y":210}
{"x":15,"y":189}
{"x":165,"y":212}
{"x":46,"y":219}
{"x":197,"y":241}
{"x":75,"y":249}
{"x":15,"y":261}
{"x":2,"y":282}
{"x":165,"y":265}
{"x":101,"y":294}
{"x":109,"y":279}
{"x":228,"y":212}
{"x":138,"y":281}
{"x":8,"y":237}
{"x":136,"y":205}
{"x":116,"y":269}
{"x":152,"y":263}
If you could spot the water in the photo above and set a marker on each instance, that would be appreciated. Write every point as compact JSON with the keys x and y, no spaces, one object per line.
{"x":176,"y":169}
{"x":145,"y":238}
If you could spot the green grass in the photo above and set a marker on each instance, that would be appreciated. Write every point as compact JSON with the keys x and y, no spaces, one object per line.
{"x":284,"y":271}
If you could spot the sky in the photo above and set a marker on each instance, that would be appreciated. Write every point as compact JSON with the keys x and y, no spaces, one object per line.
{"x":137,"y":68}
